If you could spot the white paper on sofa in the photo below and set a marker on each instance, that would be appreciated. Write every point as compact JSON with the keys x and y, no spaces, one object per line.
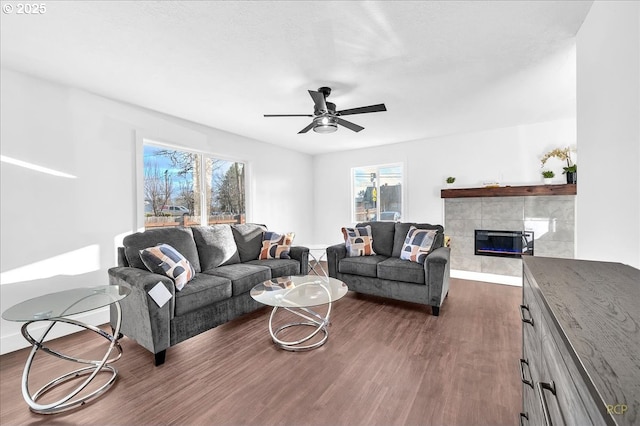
{"x":160,"y":294}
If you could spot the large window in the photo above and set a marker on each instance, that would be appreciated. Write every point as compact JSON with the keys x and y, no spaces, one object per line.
{"x":183,"y":188}
{"x":377,"y":193}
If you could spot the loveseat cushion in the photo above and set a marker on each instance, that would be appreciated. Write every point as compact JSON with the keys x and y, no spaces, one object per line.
{"x":383,"y":233}
{"x":216,"y":246}
{"x":203,"y":290}
{"x":243,"y":276}
{"x":364,"y":265}
{"x":248,"y":237}
{"x":179,"y":238}
{"x":279,"y":267}
{"x":401,"y":230}
{"x":395,"y":269}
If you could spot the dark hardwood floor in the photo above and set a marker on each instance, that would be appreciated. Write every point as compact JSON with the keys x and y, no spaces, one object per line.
{"x":385,"y":363}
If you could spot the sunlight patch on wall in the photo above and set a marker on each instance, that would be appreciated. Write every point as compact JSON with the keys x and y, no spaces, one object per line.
{"x":76,"y":262}
{"x":35,"y":167}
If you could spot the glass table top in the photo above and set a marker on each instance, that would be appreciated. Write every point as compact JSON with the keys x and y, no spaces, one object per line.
{"x":65,"y":303}
{"x":299,"y":291}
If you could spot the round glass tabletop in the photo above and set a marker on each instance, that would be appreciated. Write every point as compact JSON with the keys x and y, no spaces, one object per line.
{"x":65,"y":303}
{"x":299,"y":291}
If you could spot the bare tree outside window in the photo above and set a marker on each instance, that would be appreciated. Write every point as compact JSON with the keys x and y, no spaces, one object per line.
{"x":181,"y":187}
{"x":157,"y":187}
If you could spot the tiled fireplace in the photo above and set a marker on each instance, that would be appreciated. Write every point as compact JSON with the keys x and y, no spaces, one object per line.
{"x":546,"y":211}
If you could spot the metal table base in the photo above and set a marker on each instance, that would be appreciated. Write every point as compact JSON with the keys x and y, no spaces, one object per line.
{"x":94,"y":367}
{"x":313,"y":319}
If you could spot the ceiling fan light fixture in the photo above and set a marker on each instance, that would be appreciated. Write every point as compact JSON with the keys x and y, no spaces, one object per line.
{"x":325,"y":124}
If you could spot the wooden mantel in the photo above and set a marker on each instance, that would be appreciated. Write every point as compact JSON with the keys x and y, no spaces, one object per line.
{"x":510,"y":191}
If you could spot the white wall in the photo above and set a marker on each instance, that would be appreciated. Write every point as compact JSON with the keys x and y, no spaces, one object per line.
{"x":62,"y":232}
{"x":509,"y":155}
{"x":608,"y":111}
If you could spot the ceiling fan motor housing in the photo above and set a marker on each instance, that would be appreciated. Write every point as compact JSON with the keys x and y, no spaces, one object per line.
{"x":331,"y":109}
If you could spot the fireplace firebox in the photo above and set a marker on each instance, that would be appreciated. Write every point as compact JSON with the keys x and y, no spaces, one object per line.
{"x":503,"y":243}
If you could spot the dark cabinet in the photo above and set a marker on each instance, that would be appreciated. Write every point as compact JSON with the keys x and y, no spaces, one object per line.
{"x":579,"y":348}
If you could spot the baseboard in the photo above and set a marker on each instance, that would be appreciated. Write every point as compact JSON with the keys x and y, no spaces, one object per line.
{"x":491,"y":278}
{"x":15,"y":341}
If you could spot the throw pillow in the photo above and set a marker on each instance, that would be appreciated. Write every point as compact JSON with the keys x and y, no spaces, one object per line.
{"x":359,"y":241}
{"x":276,"y":246}
{"x":216,"y":246}
{"x":417,"y":244}
{"x":248,"y":238}
{"x":164,"y":259}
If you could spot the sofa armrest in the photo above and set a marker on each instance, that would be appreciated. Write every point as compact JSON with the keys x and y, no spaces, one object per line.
{"x":301,"y":254}
{"x":437,"y":268}
{"x":334,"y":254}
{"x":142,"y":319}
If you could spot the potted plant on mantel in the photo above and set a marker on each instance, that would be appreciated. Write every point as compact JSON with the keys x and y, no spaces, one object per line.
{"x":563,"y":154}
{"x":450,"y":181}
{"x":548,"y":176}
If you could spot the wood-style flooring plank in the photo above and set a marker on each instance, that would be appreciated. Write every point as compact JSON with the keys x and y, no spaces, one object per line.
{"x":385,"y":363}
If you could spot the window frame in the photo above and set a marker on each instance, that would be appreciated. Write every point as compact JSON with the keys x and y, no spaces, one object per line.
{"x":142,"y":140}
{"x":377,"y":168}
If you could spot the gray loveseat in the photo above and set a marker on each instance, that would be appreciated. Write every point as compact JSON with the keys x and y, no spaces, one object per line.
{"x":225,"y":260}
{"x":386,"y":275}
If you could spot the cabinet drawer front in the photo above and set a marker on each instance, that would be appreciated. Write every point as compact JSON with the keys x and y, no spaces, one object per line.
{"x":566,"y":406}
{"x":531,"y":406}
{"x":531,"y":353}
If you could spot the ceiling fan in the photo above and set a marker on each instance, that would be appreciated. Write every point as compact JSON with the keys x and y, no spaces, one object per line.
{"x":325,"y":116}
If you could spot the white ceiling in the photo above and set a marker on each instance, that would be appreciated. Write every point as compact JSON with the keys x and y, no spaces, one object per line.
{"x":441,"y":67}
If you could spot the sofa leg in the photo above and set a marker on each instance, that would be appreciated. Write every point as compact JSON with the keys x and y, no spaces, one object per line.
{"x":159,"y":357}
{"x":435,"y":311}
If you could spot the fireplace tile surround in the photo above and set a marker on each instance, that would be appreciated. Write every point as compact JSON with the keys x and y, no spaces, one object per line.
{"x":550,"y":217}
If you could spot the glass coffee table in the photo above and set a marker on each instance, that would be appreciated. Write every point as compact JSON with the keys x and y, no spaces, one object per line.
{"x":56,"y":308}
{"x":297,"y":294}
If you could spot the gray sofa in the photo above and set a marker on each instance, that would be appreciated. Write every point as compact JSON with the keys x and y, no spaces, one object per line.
{"x":225,"y":260}
{"x":386,"y":275}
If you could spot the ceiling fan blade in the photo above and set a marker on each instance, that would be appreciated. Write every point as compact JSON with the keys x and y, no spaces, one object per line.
{"x":288,"y":115}
{"x":306,"y":129}
{"x":319,"y":101}
{"x":349,"y":125}
{"x":363,"y":110}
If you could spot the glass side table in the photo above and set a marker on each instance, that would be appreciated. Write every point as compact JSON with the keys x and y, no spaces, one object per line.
{"x":317,"y":255}
{"x":55,"y":308}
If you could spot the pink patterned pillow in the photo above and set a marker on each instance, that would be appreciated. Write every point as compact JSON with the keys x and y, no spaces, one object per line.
{"x":417,"y":244}
{"x":359,"y":241}
{"x":276,"y":246}
{"x":164,"y":259}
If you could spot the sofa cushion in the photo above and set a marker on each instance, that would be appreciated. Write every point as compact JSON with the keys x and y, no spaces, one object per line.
{"x":164,"y":259}
{"x":364,"y":265}
{"x":203,"y":290}
{"x":395,"y":269}
{"x":418,"y":244}
{"x":383,"y":233}
{"x":216,"y":246}
{"x":276,"y":245}
{"x":401,"y":230}
{"x":179,"y":238}
{"x":358,"y":241}
{"x":243,"y":276}
{"x":248,"y":237}
{"x":279,"y":267}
